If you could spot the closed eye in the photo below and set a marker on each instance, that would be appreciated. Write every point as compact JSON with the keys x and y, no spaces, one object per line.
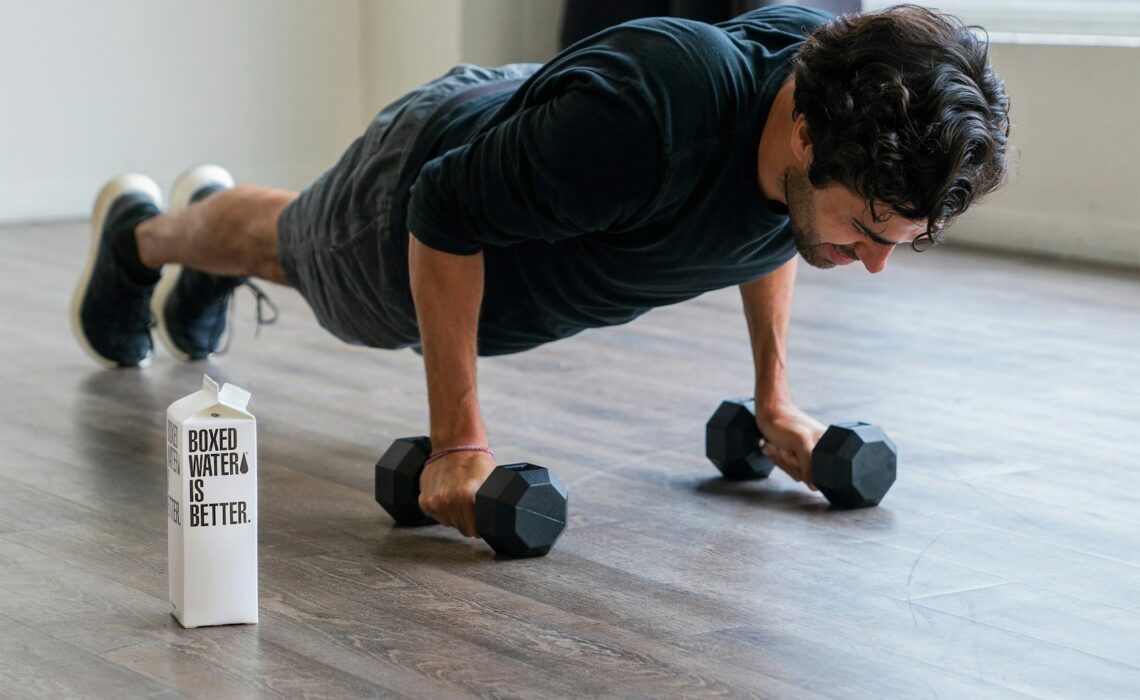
{"x":874,"y":236}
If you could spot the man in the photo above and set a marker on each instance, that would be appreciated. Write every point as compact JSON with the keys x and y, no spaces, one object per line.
{"x":491,"y":211}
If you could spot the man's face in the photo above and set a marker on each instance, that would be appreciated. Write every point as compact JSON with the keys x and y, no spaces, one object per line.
{"x":833,"y":225}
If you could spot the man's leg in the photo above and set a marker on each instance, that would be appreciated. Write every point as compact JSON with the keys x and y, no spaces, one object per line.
{"x":232,"y":232}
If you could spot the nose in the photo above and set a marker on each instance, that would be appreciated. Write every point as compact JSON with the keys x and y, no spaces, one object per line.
{"x":874,"y":257}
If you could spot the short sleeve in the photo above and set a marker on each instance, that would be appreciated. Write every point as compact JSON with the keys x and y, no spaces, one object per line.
{"x":586,"y":159}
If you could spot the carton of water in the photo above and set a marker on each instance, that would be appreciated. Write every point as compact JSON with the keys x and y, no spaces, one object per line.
{"x":211,"y":460}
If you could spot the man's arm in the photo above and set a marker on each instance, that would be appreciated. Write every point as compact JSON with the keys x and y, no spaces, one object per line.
{"x":448,"y":291}
{"x":768,"y":310}
{"x":790,"y":433}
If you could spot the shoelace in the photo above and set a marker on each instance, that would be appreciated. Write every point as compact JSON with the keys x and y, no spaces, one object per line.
{"x":262,"y":298}
{"x":262,"y":302}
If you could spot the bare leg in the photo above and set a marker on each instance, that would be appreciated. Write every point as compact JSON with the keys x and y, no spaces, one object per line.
{"x":231,"y":232}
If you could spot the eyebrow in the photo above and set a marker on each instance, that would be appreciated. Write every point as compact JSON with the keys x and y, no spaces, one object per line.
{"x":874,"y":236}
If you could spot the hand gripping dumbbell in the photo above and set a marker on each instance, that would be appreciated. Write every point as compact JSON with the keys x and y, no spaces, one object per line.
{"x":853,"y":464}
{"x":520,"y":510}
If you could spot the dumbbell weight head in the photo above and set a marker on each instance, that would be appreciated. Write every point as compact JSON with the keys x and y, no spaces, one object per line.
{"x":520,"y":510}
{"x":398,"y":480}
{"x":854,"y":464}
{"x":732,"y":441}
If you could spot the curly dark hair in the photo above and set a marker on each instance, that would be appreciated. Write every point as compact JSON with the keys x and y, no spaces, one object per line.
{"x":903,"y":108}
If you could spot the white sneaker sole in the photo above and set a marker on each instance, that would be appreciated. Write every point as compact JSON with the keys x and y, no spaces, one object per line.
{"x":115,"y":188}
{"x":194,"y":179}
{"x":184,"y":187}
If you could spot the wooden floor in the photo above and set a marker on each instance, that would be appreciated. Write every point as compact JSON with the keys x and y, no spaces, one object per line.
{"x":1004,"y":563}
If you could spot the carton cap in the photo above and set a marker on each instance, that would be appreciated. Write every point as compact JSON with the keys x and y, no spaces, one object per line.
{"x":229,"y":395}
{"x":233,"y":396}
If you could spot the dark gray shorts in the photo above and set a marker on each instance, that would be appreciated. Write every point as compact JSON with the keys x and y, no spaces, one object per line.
{"x":335,"y":241}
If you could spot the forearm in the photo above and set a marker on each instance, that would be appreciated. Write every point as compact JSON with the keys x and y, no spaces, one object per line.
{"x":767,"y":309}
{"x":448,"y":291}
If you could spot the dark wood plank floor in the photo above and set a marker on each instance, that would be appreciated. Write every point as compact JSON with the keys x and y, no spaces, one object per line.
{"x":1004,"y":563}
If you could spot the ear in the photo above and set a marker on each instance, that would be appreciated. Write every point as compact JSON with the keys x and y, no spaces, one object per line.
{"x":801,"y":142}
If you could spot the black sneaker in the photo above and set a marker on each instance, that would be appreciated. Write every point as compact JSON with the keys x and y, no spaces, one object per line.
{"x":190,"y":306}
{"x":110,"y":310}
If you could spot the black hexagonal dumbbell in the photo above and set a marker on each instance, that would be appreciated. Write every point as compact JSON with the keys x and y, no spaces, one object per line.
{"x":853,"y":464}
{"x":520,"y":510}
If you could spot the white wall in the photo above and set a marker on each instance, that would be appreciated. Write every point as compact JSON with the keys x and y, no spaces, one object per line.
{"x":496,"y":32}
{"x":406,"y":44}
{"x":1075,"y":113}
{"x":270,"y":89}
{"x":275,"y":90}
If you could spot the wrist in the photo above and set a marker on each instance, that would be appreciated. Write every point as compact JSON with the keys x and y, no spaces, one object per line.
{"x":440,"y":454}
{"x":459,"y":435}
{"x":770,"y":400}
{"x":456,"y":419}
{"x":447,"y":441}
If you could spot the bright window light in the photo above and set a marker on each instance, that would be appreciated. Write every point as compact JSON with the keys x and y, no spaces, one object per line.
{"x":1009,"y":19}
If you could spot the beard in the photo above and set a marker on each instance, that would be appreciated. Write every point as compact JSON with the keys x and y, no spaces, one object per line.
{"x":800,"y":196}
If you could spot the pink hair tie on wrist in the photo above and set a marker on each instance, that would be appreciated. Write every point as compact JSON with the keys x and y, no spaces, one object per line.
{"x":462,"y":448}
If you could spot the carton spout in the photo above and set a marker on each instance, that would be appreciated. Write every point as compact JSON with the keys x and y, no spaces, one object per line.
{"x":233,"y":396}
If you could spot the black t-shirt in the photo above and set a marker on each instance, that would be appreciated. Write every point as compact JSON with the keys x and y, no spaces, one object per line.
{"x":620,"y":177}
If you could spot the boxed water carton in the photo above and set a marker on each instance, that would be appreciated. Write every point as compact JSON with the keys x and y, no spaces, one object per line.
{"x":211,"y":459}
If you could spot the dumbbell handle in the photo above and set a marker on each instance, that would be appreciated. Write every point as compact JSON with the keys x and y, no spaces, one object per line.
{"x":484,"y":505}
{"x":757,"y":438}
{"x":534,"y":517}
{"x":853,"y":463}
